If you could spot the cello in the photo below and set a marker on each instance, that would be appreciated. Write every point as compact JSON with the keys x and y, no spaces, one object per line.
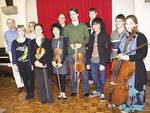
{"x":116,"y":87}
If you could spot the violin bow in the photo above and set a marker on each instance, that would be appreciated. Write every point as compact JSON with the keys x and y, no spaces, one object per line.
{"x":58,"y":80}
{"x":76,"y":73}
{"x":137,"y":48}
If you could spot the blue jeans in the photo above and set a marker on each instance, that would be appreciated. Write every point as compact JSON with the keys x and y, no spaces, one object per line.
{"x":73,"y":77}
{"x":98,"y":76}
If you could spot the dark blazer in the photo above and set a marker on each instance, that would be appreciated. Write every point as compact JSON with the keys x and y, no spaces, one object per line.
{"x":103,"y":48}
{"x":89,"y":27}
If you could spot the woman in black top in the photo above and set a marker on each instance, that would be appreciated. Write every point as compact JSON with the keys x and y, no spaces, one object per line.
{"x":137,"y":82}
{"x":41,"y":60}
{"x":60,"y":51}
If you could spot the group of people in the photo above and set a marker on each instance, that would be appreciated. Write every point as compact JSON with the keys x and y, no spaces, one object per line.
{"x":37,"y":59}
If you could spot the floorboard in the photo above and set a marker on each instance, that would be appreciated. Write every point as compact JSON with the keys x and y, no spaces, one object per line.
{"x":11,"y":102}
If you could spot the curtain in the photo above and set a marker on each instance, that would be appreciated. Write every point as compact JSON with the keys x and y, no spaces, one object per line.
{"x":48,"y":11}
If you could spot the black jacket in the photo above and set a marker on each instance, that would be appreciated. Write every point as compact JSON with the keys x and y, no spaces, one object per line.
{"x":46,"y":58}
{"x":103,"y":48}
{"x":140,"y":70}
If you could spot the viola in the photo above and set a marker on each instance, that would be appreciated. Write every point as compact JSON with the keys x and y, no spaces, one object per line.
{"x":78,"y":57}
{"x":79,"y":66}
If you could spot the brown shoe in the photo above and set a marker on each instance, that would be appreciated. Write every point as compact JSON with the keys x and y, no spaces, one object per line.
{"x":19,"y":90}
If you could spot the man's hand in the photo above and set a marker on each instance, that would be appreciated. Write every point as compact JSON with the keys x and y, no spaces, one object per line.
{"x":75,"y":46}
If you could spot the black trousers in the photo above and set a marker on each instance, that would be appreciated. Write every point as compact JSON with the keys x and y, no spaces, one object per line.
{"x":44,"y":84}
{"x":62,"y":82}
{"x":28,"y":79}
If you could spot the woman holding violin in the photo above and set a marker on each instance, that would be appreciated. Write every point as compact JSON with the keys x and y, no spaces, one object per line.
{"x":60,"y":51}
{"x":137,"y":81}
{"x":41,"y":61}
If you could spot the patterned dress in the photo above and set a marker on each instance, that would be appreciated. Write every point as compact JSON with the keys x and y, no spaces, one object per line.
{"x":137,"y":82}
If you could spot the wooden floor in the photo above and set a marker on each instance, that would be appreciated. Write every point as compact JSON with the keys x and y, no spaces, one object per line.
{"x":13,"y":103}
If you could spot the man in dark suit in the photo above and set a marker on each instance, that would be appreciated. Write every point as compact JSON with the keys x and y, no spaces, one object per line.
{"x":92,"y":14}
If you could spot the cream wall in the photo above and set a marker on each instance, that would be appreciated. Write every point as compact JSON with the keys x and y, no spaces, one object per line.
{"x":26,"y":12}
{"x":1,"y":34}
{"x":125,"y":7}
{"x":20,"y":17}
{"x":31,"y":11}
{"x":142,"y":11}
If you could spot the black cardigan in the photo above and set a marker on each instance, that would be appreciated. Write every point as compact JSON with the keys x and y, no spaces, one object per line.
{"x":140,"y":70}
{"x":103,"y":48}
{"x":47,"y":57}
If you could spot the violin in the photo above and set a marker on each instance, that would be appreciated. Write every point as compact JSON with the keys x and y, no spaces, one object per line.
{"x":57,"y":55}
{"x":133,"y":32}
{"x":39,"y":52}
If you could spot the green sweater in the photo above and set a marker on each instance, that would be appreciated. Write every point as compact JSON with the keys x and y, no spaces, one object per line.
{"x":76,"y":33}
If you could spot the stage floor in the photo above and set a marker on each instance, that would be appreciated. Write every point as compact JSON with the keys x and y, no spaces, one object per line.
{"x":10,"y":102}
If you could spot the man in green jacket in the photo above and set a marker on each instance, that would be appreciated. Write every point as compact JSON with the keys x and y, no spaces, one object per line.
{"x":76,"y":32}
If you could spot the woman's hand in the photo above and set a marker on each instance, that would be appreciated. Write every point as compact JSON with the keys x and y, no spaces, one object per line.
{"x":54,"y":64}
{"x":59,"y":65}
{"x":16,"y":67}
{"x":38,"y":64}
{"x":122,"y":57}
{"x":101,"y":67}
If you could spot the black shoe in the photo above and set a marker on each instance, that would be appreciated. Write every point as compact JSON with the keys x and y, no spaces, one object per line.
{"x":31,"y":95}
{"x":43,"y":102}
{"x":73,"y":94}
{"x":50,"y":101}
{"x":86,"y":94}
